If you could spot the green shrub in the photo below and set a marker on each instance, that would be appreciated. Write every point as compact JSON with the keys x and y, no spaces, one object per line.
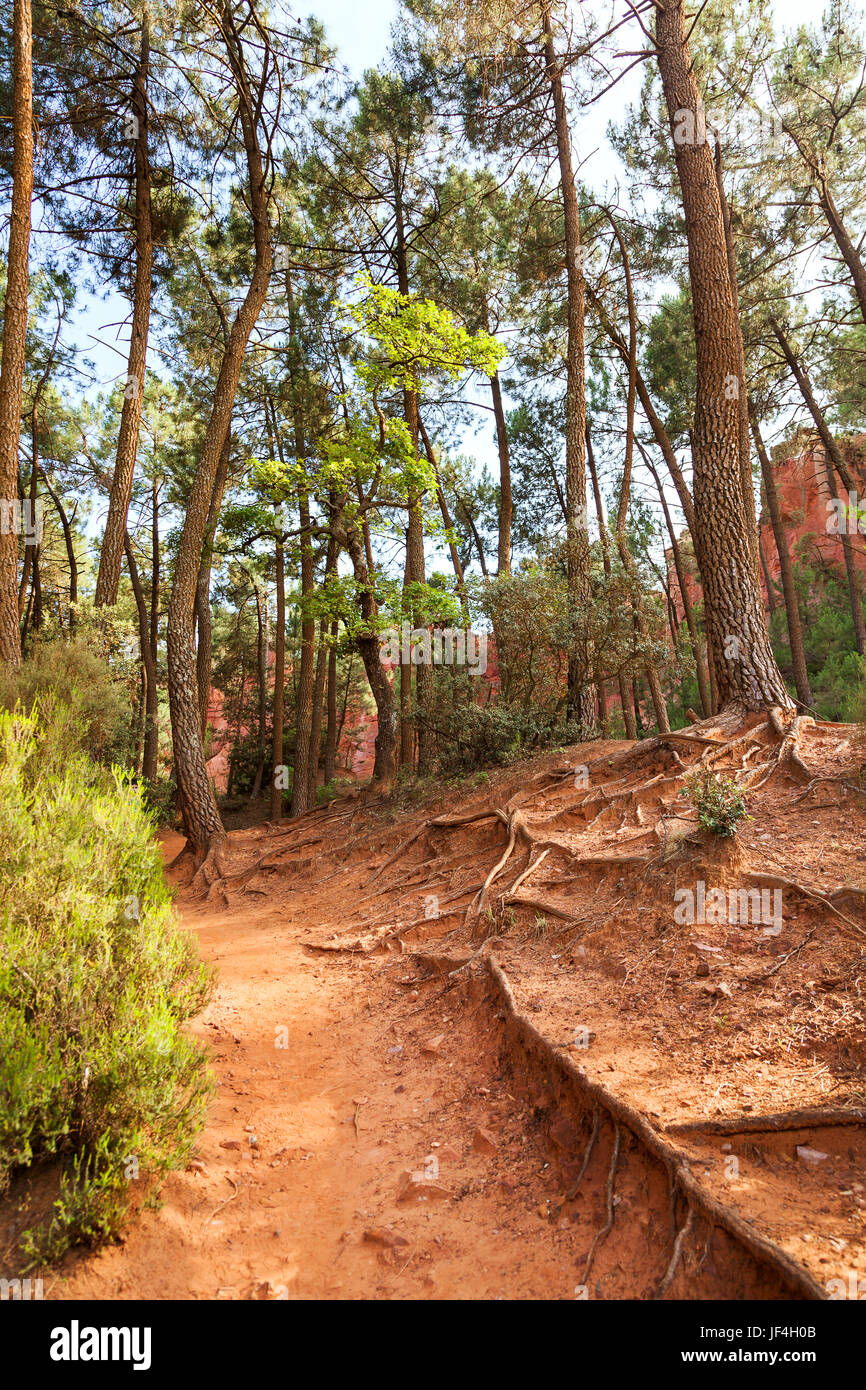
{"x":160,"y":798}
{"x":478,"y":736}
{"x":83,"y":681}
{"x":719,"y":802}
{"x":96,"y":981}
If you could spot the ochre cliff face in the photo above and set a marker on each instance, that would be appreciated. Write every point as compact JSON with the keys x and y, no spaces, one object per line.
{"x":809,"y":522}
{"x":804,"y":495}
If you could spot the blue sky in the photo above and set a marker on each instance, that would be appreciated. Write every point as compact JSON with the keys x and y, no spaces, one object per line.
{"x":361,"y":30}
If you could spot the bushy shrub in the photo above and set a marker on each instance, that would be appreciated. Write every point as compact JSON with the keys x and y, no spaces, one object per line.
{"x":719,"y":802}
{"x":96,"y":981}
{"x":81,"y":679}
{"x":478,"y":736}
{"x":160,"y":798}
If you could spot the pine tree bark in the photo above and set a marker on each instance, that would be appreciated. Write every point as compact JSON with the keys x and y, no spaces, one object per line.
{"x":331,"y":731}
{"x":111,"y":554}
{"x":148,"y":663}
{"x":745,"y":669}
{"x":579,"y":701}
{"x":15,"y":323}
{"x":385,"y":759}
{"x":742,"y":397}
{"x":319,"y":683}
{"x":277,"y":765}
{"x":301,"y":801}
{"x":203,"y":621}
{"x":202,"y":823}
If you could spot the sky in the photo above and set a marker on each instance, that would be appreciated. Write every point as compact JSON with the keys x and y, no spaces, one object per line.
{"x":361,"y":30}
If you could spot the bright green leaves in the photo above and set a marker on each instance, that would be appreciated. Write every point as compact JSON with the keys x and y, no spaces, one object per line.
{"x":404,"y":340}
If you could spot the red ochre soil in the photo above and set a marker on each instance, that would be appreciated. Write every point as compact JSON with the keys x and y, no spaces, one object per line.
{"x":351,"y":1049}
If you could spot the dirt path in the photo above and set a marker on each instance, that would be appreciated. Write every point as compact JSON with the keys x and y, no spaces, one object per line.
{"x":325,"y":1098}
{"x":346,"y":1062}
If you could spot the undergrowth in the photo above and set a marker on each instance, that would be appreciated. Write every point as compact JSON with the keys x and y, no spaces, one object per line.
{"x":96,"y":982}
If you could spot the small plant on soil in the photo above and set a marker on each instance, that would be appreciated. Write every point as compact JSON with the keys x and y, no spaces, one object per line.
{"x":719,"y":802}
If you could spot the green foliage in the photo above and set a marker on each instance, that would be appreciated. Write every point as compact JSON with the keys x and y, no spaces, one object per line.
{"x":96,"y":982}
{"x":719,"y":802}
{"x":95,"y":695}
{"x":836,"y":671}
{"x":470,"y":735}
{"x":408,"y":338}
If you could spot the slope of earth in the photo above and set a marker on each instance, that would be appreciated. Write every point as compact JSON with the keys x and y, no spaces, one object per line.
{"x":474,"y":1047}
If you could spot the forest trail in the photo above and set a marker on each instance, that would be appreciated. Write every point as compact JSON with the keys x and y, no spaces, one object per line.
{"x":338,"y":1114}
{"x":384,"y":1128}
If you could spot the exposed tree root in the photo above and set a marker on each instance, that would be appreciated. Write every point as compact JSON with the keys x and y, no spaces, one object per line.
{"x":542,"y":905}
{"x":778,"y":881}
{"x":811,"y":1117}
{"x":530,"y":869}
{"x":587,"y":1155}
{"x":682,"y":1236}
{"x":606,"y":1229}
{"x":400,"y":850}
{"x":517,"y":828}
{"x":210,"y":876}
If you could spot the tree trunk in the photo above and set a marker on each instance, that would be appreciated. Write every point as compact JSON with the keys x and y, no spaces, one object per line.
{"x":625,"y":554}
{"x":801,"y":376}
{"x":68,"y":542}
{"x":31,"y":543}
{"x":319,"y":684}
{"x":301,"y":801}
{"x":580,"y":702}
{"x":745,"y":668}
{"x":832,"y":459}
{"x":847,"y":248}
{"x":741,"y":394}
{"x":447,"y":522}
{"x":765,"y":569}
{"x":792,"y":608}
{"x":279,"y":688}
{"x":384,"y":763}
{"x":688,"y":610}
{"x":661,"y":435}
{"x":15,"y":323}
{"x":204,"y":624}
{"x":331,"y":732}
{"x":506,"y":504}
{"x":148,"y":766}
{"x":627,"y":712}
{"x":201,"y":817}
{"x":111,"y":555}
{"x":262,"y":673}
